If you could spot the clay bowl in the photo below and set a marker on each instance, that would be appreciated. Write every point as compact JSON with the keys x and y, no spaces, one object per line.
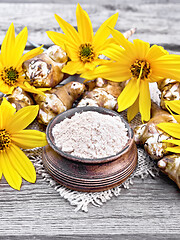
{"x":69,"y":114}
{"x":85,"y":174}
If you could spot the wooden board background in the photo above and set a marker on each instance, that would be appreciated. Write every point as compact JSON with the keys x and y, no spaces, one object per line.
{"x":156,"y":21}
{"x":150,"y":209}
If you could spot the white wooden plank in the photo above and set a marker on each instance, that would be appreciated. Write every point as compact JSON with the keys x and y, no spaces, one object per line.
{"x":149,"y":207}
{"x":155,"y":23}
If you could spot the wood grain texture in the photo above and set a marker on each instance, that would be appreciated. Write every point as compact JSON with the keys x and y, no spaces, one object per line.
{"x":156,"y":21}
{"x":150,"y":208}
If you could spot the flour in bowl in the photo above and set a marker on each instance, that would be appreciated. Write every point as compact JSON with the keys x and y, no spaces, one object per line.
{"x":90,"y":135}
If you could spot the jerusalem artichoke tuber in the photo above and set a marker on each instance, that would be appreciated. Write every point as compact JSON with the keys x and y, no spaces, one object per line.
{"x":170,"y":90}
{"x":101,"y":93}
{"x":150,"y":136}
{"x":170,"y":165}
{"x":57,"y":100}
{"x":19,"y":98}
{"x":44,"y":70}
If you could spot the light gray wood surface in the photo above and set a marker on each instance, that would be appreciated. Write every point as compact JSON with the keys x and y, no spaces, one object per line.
{"x":150,"y":209}
{"x":157,"y":21}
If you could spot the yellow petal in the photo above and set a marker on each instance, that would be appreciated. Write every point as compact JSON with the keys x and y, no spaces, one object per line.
{"x":142,"y":48}
{"x":29,"y":88}
{"x":115,"y":71}
{"x":155,"y":78}
{"x":28,"y":139}
{"x":32,"y":53}
{"x":173,"y":149}
{"x":22,"y":118}
{"x":133,"y":110}
{"x":91,"y":65}
{"x":69,"y":30}
{"x":168,"y":73}
{"x":173,"y":106}
{"x":60,"y":39}
{"x":120,"y":39}
{"x":7,"y":48}
{"x":116,"y":53}
{"x":103,"y":32}
{"x":1,"y":64}
{"x":100,"y":61}
{"x":144,"y":101}
{"x":130,"y":49}
{"x":177,"y":117}
{"x":21,"y":79}
{"x":6,"y":113}
{"x":0,"y":173}
{"x":84,"y":25}
{"x":128,"y":95}
{"x":167,"y":66}
{"x":73,"y":54}
{"x":105,"y":44}
{"x":73,"y":67}
{"x":173,"y":141}
{"x":20,"y":43}
{"x":0,"y":168}
{"x":156,"y":52}
{"x":42,"y":90}
{"x":167,"y":61}
{"x":11,"y":175}
{"x":6,"y":89}
{"x":21,"y":164}
{"x":173,"y":129}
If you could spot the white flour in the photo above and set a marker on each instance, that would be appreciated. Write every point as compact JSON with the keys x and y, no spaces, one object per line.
{"x":90,"y":135}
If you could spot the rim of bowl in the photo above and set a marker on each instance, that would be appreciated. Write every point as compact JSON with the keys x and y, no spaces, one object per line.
{"x":68,"y":114}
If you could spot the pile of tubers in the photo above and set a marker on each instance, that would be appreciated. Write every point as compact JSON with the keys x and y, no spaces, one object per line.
{"x":149,"y":136}
{"x":45,"y":70}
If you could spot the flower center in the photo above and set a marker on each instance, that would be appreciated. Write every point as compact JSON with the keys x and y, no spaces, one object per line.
{"x":136,"y":69}
{"x":4,"y":139}
{"x":86,"y":52}
{"x":9,"y":75}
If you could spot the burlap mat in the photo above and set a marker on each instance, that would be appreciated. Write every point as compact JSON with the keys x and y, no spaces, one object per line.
{"x":146,"y":167}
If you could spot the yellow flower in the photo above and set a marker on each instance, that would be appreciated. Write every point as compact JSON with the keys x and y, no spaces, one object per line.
{"x":14,"y":164}
{"x":82,"y":46}
{"x":173,"y":129}
{"x":140,"y":64}
{"x":11,"y":59}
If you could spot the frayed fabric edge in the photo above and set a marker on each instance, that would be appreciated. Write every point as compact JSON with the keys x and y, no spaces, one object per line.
{"x":81,"y":200}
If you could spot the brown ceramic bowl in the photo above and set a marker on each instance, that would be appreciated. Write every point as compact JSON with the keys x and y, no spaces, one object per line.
{"x":69,"y":114}
{"x":89,"y":175}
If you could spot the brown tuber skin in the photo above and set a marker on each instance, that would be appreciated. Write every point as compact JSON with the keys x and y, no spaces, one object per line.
{"x":170,"y":165}
{"x":19,"y":98}
{"x":44,"y":70}
{"x":150,"y":136}
{"x":101,"y":93}
{"x":57,"y":100}
{"x":170,"y":90}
